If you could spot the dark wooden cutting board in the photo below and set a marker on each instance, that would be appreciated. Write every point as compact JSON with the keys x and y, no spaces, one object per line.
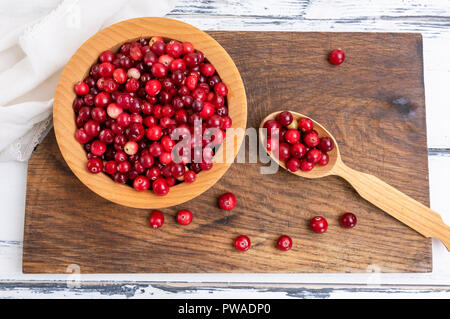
{"x":373,"y":104}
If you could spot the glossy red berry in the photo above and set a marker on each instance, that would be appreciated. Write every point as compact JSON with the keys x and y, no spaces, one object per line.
{"x":153,"y":87}
{"x":297,"y":150}
{"x":319,"y":224}
{"x":311,"y":139}
{"x":326,"y":144}
{"x":313,"y":155}
{"x":272,"y":127}
{"x":272,"y":144}
{"x":284,"y":243}
{"x":227,"y":201}
{"x":305,"y":165}
{"x":324,"y":159}
{"x":156,"y":219}
{"x":81,"y":88}
{"x":190,"y":176}
{"x":284,"y":151}
{"x":348,"y":220}
{"x":337,"y":56}
{"x":292,"y":136}
{"x":98,"y":148}
{"x":141,"y":183}
{"x":160,"y":187}
{"x":242,"y":243}
{"x":285,"y":118}
{"x":305,"y":125}
{"x":95,"y":165}
{"x":81,"y":136}
{"x":293,"y":164}
{"x":184,"y":217}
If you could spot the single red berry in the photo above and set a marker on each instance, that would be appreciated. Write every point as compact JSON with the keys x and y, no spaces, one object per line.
{"x":284,"y":243}
{"x":324,"y":159}
{"x":326,"y":144}
{"x":221,"y":89}
{"x":311,"y":139}
{"x":283,"y":151}
{"x":190,"y":176}
{"x":313,"y":155}
{"x":227,"y":201}
{"x":292,"y":136}
{"x":160,"y":187}
{"x":153,"y":87}
{"x":106,"y":56}
{"x":174,"y":48}
{"x":154,"y":133}
{"x":348,"y":220}
{"x":305,"y":125}
{"x":207,"y":69}
{"x":184,"y":217}
{"x":141,"y":183}
{"x":81,"y":136}
{"x":293,"y":164}
{"x":81,"y":88}
{"x":120,"y":76}
{"x":111,"y":167}
{"x":242,"y":243}
{"x":285,"y":118}
{"x":156,"y":219}
{"x":297,"y":150}
{"x":188,"y":47}
{"x":337,"y":56}
{"x":98,"y":148}
{"x":319,"y":224}
{"x":95,"y":165}
{"x":273,"y":128}
{"x":272,"y":144}
{"x":306,"y":166}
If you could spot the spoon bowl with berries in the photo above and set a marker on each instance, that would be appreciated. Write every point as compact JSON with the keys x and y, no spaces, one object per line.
{"x":305,"y":148}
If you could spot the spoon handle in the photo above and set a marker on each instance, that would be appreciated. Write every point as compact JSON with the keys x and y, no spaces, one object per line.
{"x":407,"y":210}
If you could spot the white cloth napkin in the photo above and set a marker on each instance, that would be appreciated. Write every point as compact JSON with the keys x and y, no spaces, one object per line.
{"x":38,"y":38}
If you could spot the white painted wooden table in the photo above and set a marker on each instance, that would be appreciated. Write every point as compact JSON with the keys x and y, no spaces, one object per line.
{"x":429,"y":17}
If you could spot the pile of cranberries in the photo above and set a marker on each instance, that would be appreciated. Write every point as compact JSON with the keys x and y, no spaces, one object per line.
{"x":138,"y":103}
{"x":296,"y":143}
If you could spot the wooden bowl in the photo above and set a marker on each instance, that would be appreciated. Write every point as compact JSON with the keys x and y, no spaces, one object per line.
{"x":77,"y":69}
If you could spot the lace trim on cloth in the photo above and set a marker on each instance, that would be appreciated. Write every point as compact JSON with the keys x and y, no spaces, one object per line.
{"x":22,"y":148}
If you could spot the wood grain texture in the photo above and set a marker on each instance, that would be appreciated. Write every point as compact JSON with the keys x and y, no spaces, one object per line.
{"x":373,"y":104}
{"x":77,"y":69}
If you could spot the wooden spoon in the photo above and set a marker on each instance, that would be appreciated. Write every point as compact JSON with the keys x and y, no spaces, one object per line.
{"x":407,"y":210}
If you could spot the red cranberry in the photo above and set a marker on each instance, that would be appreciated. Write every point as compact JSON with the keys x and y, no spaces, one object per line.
{"x":124,"y":167}
{"x":348,"y":220}
{"x":141,"y":183}
{"x":207,"y":69}
{"x":123,"y":119}
{"x":284,"y":243}
{"x":192,"y":59}
{"x":106,"y":56}
{"x":81,"y":136}
{"x":159,"y":70}
{"x":102,"y":99}
{"x":188,"y":47}
{"x":135,"y":132}
{"x":292,"y":136}
{"x":305,"y":125}
{"x":154,"y":133}
{"x":153,"y":173}
{"x":273,"y":128}
{"x":158,"y":47}
{"x":160,"y":187}
{"x":337,"y":56}
{"x":184,"y":217}
{"x":313,"y":155}
{"x":156,"y":219}
{"x":136,"y":53}
{"x":206,"y":166}
{"x":318,"y":224}
{"x":293,"y":165}
{"x":174,"y":48}
{"x":111,"y":167}
{"x":95,"y":165}
{"x":227,"y":201}
{"x":311,"y":139}
{"x":92,"y":128}
{"x":190,"y":176}
{"x":326,"y":144}
{"x":132,"y":85}
{"x":285,"y":118}
{"x":153,"y":87}
{"x":106,"y":136}
{"x":297,"y":150}
{"x":221,"y":89}
{"x":306,"y":166}
{"x":155,"y":149}
{"x":207,"y":110}
{"x":242,"y":243}
{"x":131,"y":147}
{"x":106,"y":69}
{"x":283,"y":151}
{"x":81,"y":88}
{"x":324,"y":159}
{"x":177,"y":64}
{"x":272,"y":144}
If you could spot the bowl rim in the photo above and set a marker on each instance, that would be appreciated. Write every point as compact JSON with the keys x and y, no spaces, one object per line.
{"x":111,"y":38}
